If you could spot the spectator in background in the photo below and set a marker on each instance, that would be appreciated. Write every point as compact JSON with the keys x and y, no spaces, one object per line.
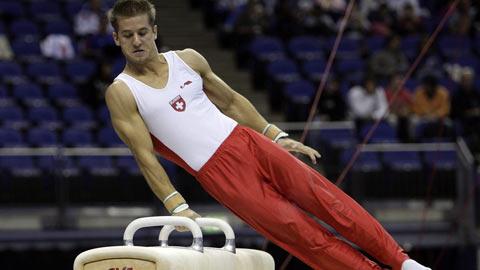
{"x":98,"y":85}
{"x":462,"y":18}
{"x":251,"y":22}
{"x":408,"y":22}
{"x":431,"y":100}
{"x":399,"y":5}
{"x":383,"y":20}
{"x":367,"y":102}
{"x":58,"y":47}
{"x":358,"y":25}
{"x":89,"y":18}
{"x":401,"y":101}
{"x":332,"y":105}
{"x":6,"y":52}
{"x":466,"y":108}
{"x":431,"y":63}
{"x":431,"y":105}
{"x":388,"y":61}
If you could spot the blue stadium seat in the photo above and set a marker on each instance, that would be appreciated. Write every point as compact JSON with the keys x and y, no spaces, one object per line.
{"x":65,"y":164}
{"x":77,"y":137}
{"x":403,"y":160}
{"x":118,"y":65}
{"x":13,"y":117}
{"x":338,"y":137}
{"x":80,"y":71}
{"x":384,"y":133}
{"x":72,"y":7}
{"x":349,"y":47}
{"x":283,"y":70}
{"x":20,"y":166}
{"x":45,"y":72}
{"x":30,"y":94}
{"x":11,"y":71}
{"x":45,"y":10}
{"x":266,"y":48}
{"x":109,"y":138}
{"x":454,"y":46}
{"x":366,"y":161}
{"x":314,"y":69}
{"x":305,"y":48}
{"x":104,"y":115}
{"x":298,"y":97}
{"x":11,"y":138}
{"x":5,"y":99}
{"x":12,"y":9}
{"x":45,"y":116}
{"x":23,"y":27}
{"x":349,"y":66}
{"x":433,"y":131}
{"x":27,"y":50}
{"x":63,"y":94}
{"x":58,"y":26}
{"x":375,"y":43}
{"x":410,"y":46}
{"x":79,"y":117}
{"x":42,"y":137}
{"x":98,"y":165}
{"x":441,"y":159}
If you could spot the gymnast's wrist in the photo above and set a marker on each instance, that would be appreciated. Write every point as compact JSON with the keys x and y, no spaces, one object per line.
{"x":173,"y":201}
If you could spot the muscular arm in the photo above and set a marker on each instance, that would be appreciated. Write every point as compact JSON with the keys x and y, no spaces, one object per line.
{"x":131,"y":128}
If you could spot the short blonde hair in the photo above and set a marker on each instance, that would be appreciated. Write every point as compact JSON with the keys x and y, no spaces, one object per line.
{"x":131,"y":8}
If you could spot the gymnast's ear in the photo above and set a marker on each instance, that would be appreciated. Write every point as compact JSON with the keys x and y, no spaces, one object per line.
{"x":155,"y":31}
{"x":115,"y":38}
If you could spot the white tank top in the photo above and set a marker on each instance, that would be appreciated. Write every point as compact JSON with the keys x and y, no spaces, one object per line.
{"x":180,"y":116}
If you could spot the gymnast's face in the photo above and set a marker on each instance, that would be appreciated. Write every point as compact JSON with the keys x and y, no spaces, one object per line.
{"x":136,"y":37}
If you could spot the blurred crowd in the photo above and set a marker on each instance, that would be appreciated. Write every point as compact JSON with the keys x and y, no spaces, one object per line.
{"x":442,"y":94}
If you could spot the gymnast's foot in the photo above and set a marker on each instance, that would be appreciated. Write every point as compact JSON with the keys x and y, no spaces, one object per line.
{"x":413,"y":265}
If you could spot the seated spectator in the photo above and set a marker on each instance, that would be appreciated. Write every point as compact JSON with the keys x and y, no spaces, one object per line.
{"x":367,"y":102}
{"x":251,"y":22}
{"x":408,"y":23}
{"x":400,"y":101}
{"x":431,"y":105}
{"x":383,"y":20}
{"x":462,"y":18}
{"x":332,"y":106}
{"x":88,"y":20}
{"x":431,"y":100}
{"x":6,"y":52}
{"x":58,"y":47}
{"x":388,"y":61}
{"x":358,"y":25}
{"x":399,"y":5}
{"x":431,"y":63}
{"x":466,"y":108}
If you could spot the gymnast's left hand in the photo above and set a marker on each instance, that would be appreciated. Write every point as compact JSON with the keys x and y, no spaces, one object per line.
{"x":295,"y":146}
{"x":189,"y":213}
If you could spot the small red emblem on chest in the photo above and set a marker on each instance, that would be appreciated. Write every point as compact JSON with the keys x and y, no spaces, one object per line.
{"x":178,"y":104}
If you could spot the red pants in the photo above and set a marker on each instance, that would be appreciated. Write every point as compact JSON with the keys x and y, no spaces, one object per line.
{"x":271,"y":190}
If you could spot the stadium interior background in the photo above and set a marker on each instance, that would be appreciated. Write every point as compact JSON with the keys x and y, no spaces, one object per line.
{"x":68,"y":184}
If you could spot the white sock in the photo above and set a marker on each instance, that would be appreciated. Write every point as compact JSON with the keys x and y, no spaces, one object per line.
{"x":413,"y":265}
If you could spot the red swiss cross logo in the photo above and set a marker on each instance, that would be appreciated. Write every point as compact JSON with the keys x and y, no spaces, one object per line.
{"x":178,"y":104}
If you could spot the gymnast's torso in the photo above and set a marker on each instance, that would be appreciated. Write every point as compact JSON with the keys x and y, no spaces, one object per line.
{"x":186,"y":127}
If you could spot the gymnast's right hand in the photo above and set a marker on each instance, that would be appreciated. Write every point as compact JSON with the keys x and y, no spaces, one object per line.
{"x":186,"y":213}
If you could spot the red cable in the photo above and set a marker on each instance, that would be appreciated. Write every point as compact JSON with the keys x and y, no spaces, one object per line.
{"x":331,"y":58}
